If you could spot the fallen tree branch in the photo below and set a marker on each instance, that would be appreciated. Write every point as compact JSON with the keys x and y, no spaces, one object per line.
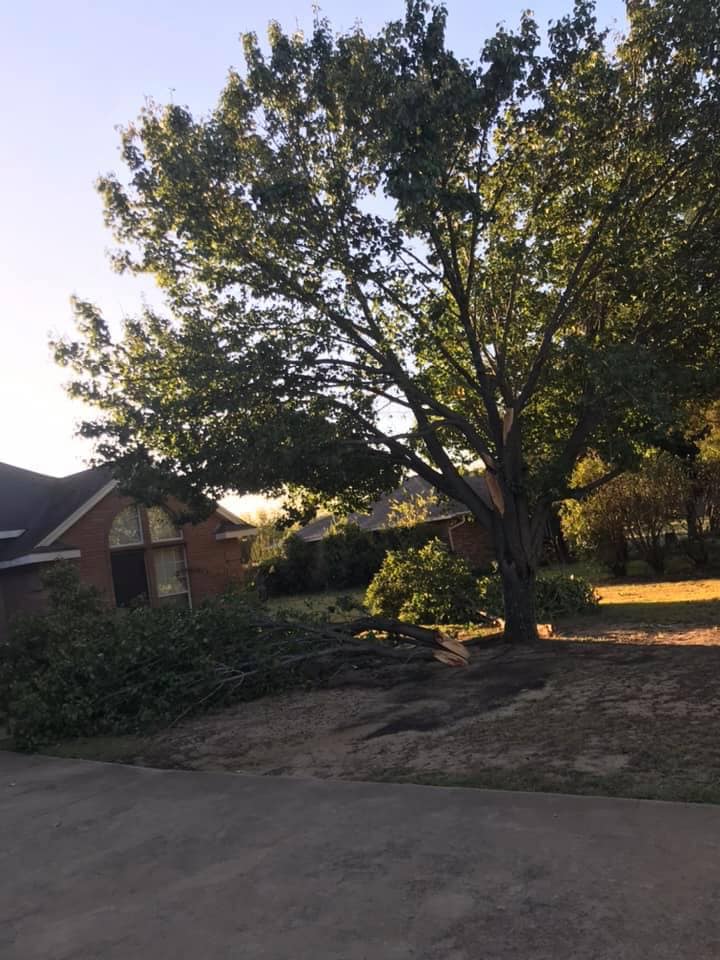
{"x":400,"y":642}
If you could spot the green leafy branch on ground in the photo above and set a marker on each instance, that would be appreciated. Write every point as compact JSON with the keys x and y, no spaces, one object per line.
{"x":85,"y":668}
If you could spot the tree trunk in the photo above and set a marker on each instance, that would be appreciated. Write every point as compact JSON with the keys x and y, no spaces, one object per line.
{"x":557,"y":537}
{"x":696,"y":546}
{"x":518,"y":538}
{"x":655,"y":555}
{"x":613,"y":553}
{"x":519,"y":600}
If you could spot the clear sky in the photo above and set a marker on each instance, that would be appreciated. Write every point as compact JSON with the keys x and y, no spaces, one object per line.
{"x":70,"y":73}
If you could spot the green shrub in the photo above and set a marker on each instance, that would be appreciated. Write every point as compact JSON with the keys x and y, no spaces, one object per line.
{"x":425,"y":585}
{"x":556,"y":595}
{"x":349,"y":556}
{"x":84,"y":668}
{"x":346,"y":557}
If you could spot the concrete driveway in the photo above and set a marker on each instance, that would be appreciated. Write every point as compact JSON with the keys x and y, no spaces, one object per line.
{"x":103,"y":861}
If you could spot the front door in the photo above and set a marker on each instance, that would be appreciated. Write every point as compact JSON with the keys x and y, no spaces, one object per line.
{"x":129,"y":577}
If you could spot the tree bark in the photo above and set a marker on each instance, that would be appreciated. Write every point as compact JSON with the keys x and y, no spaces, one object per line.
{"x":557,"y":537}
{"x":518,"y":587}
{"x":696,"y":546}
{"x":614,"y":553}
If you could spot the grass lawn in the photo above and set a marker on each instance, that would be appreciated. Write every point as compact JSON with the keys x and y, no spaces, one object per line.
{"x":337,"y":605}
{"x":630,"y":601}
{"x":681,"y":601}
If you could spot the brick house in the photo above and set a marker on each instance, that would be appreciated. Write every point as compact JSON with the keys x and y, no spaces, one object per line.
{"x":131,"y":553}
{"x":449,"y":520}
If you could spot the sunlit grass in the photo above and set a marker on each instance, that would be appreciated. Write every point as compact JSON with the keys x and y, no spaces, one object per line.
{"x":666,"y":601}
{"x":665,"y":591}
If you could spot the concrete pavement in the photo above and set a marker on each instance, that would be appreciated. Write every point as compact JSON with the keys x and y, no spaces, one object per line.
{"x":105,"y":861}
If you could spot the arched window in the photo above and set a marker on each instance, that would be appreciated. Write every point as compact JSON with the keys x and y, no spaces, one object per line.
{"x":147,"y":566}
{"x":162,"y":526}
{"x":126,"y":530}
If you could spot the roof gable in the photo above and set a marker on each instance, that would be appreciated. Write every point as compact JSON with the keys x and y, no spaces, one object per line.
{"x":41,"y":506}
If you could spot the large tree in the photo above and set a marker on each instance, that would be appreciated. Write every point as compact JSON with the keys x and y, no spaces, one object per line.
{"x":380,"y":259}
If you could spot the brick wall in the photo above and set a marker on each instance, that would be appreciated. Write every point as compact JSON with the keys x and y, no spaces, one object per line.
{"x":473,"y":542}
{"x":213,"y":564}
{"x":468,"y":539}
{"x":90,"y":536}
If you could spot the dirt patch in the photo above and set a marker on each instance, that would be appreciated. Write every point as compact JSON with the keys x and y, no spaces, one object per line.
{"x":405,"y":724}
{"x":633,"y":711}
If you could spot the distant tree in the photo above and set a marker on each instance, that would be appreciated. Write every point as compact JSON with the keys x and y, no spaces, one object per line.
{"x":268,"y":541}
{"x":380,"y":259}
{"x":707,"y":474}
{"x":637,"y":506}
{"x":412,"y":510}
{"x":696,"y":444}
{"x":595,"y":525}
{"x":709,"y":481}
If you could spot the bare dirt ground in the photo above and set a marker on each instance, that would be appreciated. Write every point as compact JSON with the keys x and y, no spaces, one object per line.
{"x":614,"y":709}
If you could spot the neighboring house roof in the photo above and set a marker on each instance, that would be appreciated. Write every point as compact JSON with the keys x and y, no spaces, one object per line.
{"x":36,"y":510}
{"x":380,"y":515}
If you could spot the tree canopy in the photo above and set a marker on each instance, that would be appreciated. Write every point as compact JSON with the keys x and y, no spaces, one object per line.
{"x":380,"y":258}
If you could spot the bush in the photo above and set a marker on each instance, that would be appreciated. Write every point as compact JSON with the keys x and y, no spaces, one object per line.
{"x":425,"y":585}
{"x":346,"y":557}
{"x":556,"y":595}
{"x":349,"y":556}
{"x":84,"y":668}
{"x":296,"y":571}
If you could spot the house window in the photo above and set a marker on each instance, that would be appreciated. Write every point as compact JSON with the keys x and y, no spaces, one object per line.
{"x":162,"y":526}
{"x":126,"y":530}
{"x":129,"y":575}
{"x":143,"y":571}
{"x":171,"y":579}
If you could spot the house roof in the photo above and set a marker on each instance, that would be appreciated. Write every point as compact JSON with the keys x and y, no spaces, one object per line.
{"x":36,"y":510}
{"x":231,"y":523}
{"x":380,"y":515}
{"x":37,"y":505}
{"x":242,"y":526}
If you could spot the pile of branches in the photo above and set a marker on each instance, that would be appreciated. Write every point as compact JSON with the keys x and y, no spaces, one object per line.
{"x":82,"y":668}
